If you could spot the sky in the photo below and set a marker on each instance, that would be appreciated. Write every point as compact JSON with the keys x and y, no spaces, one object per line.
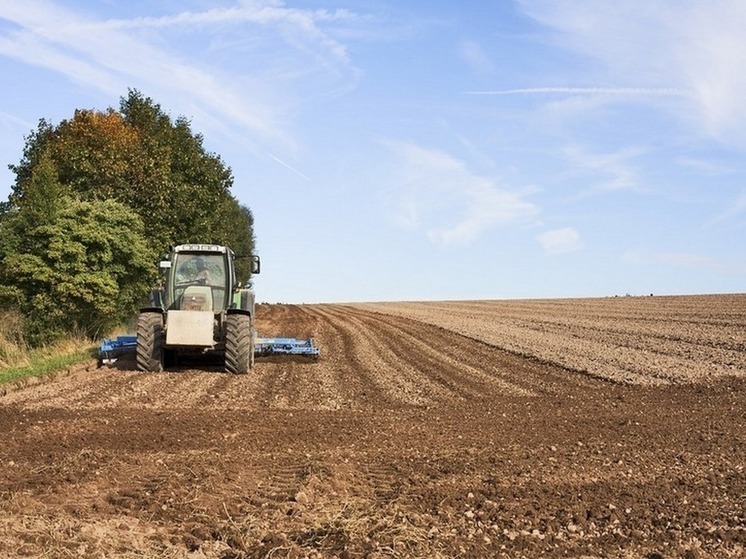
{"x":395,"y":150}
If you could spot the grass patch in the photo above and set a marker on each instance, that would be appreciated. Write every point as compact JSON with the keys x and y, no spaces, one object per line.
{"x":19,"y":361}
{"x":45,"y":364}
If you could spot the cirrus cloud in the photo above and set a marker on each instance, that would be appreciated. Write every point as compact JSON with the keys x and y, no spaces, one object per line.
{"x":440,"y":195}
{"x":560,"y":241}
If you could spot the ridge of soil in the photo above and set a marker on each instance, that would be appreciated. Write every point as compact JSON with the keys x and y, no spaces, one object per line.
{"x":414,"y":435}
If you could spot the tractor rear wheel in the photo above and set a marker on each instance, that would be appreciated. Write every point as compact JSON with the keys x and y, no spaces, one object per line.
{"x":239,"y":344}
{"x":150,"y":342}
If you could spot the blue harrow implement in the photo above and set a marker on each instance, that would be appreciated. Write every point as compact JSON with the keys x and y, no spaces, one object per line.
{"x":285,"y":346}
{"x":112,"y":349}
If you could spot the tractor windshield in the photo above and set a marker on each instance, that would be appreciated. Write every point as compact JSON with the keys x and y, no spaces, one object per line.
{"x":199,"y":282}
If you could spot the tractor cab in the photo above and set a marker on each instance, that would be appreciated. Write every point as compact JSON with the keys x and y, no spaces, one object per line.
{"x":200,"y":278}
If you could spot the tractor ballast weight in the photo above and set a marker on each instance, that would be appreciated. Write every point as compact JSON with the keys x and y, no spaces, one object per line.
{"x":201,"y":309}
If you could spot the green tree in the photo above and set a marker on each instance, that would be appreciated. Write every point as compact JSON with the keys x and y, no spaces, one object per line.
{"x":143,"y":158}
{"x":85,"y":269}
{"x":238,"y":233}
{"x":43,"y":195}
{"x":183,"y":190}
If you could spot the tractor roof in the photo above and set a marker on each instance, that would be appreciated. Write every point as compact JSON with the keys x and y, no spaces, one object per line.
{"x":201,"y":248}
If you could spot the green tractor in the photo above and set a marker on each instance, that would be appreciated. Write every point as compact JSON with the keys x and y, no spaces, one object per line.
{"x":201,"y":309}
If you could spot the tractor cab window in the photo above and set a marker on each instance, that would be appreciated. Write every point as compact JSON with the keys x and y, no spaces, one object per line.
{"x":199,"y":282}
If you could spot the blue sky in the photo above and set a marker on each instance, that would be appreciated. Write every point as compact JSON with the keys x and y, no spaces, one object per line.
{"x":412,"y":150}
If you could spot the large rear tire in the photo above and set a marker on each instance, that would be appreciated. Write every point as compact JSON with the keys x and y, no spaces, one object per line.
{"x":239,"y":344}
{"x":150,"y":342}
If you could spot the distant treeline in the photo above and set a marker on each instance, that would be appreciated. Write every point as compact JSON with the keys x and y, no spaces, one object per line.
{"x":97,"y":199}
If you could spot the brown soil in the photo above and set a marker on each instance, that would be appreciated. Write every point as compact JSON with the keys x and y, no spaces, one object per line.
{"x":411,"y":436}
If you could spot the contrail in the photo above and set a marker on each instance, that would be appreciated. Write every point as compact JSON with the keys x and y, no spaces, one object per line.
{"x":289,"y":167}
{"x":665,"y":92}
{"x":12,"y":119}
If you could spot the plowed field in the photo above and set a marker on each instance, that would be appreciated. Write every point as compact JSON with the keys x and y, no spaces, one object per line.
{"x":590,"y":428}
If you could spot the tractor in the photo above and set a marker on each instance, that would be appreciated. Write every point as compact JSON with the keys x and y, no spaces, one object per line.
{"x":201,"y":309}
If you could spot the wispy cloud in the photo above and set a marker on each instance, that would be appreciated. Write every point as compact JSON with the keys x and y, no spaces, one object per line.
{"x":610,"y":171}
{"x":476,"y":58}
{"x":683,"y":260}
{"x":735,"y":210}
{"x":453,"y":205}
{"x":560,"y":241}
{"x":695,"y":46}
{"x":112,"y":55}
{"x":704,"y":167}
{"x":611,"y":91}
{"x":296,"y":25}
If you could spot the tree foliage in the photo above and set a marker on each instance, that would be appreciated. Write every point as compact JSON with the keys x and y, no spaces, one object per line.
{"x":141,"y":157}
{"x":83,"y":269}
{"x":102,"y":189}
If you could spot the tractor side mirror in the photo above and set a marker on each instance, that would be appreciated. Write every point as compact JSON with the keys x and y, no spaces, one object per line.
{"x":256,"y":264}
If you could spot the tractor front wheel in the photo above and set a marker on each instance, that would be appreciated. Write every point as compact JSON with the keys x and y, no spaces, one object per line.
{"x":150,"y":342}
{"x":239,"y":344}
